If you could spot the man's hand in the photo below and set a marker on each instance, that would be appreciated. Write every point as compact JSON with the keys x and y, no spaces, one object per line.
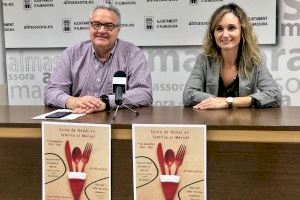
{"x":212,"y":103}
{"x":87,"y":110}
{"x":85,"y":104}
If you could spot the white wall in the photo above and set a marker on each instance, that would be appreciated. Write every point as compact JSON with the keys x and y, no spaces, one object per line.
{"x":3,"y":86}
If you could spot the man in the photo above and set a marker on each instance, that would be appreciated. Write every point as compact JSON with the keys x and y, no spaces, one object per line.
{"x":82,"y":79}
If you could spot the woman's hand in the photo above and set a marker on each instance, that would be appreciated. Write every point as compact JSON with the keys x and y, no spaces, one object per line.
{"x":212,"y":103}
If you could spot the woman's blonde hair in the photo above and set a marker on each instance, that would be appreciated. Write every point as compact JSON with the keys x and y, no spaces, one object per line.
{"x":248,"y":54}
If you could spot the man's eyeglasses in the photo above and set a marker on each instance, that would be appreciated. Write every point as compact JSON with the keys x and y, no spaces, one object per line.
{"x":108,"y":26}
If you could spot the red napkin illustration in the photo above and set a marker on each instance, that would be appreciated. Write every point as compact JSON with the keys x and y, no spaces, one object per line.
{"x":171,"y":181}
{"x":169,"y":184}
{"x":77,"y":178}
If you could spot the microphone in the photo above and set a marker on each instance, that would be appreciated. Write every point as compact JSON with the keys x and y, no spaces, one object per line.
{"x":119,"y":86}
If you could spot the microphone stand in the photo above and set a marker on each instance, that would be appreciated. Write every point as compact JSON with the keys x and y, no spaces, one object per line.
{"x":136,"y":113}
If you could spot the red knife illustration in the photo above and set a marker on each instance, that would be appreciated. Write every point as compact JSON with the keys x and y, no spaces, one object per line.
{"x":68,"y":155}
{"x":160,"y":156}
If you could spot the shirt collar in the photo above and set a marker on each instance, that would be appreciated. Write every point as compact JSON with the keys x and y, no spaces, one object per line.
{"x":111,"y":52}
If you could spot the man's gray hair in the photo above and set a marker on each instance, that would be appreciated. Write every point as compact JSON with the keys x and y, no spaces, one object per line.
{"x":110,"y":8}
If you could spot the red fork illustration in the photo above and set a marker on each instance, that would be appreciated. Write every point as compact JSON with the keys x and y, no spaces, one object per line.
{"x":179,"y":156}
{"x":86,"y":155}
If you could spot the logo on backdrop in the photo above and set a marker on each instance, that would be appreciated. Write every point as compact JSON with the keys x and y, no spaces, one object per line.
{"x":149,"y":23}
{"x":27,"y":4}
{"x":66,"y":25}
{"x":160,"y":23}
{"x":110,"y":2}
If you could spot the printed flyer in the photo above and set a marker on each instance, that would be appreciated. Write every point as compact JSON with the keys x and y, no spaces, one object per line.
{"x":170,"y":160}
{"x":76,"y":161}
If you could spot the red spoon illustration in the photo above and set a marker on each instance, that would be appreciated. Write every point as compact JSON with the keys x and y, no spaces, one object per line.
{"x":169,"y":159}
{"x":76,"y":156}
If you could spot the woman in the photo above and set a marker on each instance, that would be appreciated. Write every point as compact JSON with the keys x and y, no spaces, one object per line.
{"x":230,"y":73}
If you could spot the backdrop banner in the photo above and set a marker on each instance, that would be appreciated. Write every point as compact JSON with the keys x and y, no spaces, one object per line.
{"x":144,"y":22}
{"x":28,"y":70}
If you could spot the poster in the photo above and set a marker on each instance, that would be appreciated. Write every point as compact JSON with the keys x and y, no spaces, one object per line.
{"x":76,"y":161}
{"x":170,"y":160}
